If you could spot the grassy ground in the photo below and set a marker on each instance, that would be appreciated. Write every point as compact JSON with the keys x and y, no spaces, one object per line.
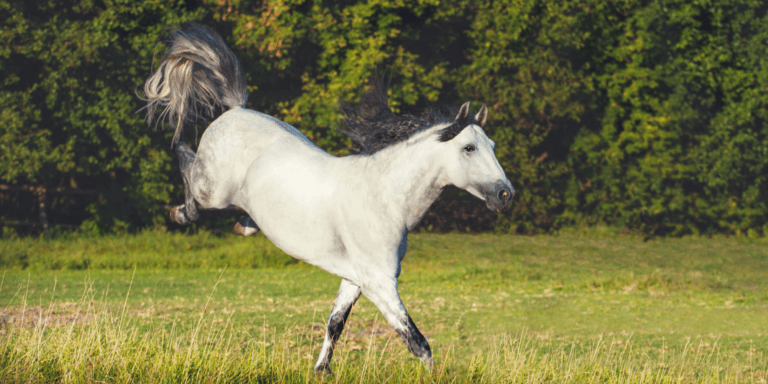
{"x":495,"y":308}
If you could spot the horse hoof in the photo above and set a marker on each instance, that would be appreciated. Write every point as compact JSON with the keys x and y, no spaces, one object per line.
{"x":178,"y":216}
{"x":323,"y":370}
{"x":245,"y":227}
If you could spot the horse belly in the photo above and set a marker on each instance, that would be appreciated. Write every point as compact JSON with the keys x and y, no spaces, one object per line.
{"x":292,"y":204}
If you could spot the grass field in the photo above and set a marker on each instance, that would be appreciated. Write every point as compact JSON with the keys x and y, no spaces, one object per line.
{"x":162,"y":307}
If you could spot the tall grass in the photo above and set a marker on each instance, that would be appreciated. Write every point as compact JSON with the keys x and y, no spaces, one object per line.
{"x":109,"y":346}
{"x":111,"y":350}
{"x":591,"y":310}
{"x":102,"y":345}
{"x":515,"y":359}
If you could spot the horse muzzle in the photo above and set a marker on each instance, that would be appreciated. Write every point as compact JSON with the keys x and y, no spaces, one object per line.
{"x":499,"y":196}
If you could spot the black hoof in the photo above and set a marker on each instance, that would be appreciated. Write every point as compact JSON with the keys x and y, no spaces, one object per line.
{"x":323,"y":370}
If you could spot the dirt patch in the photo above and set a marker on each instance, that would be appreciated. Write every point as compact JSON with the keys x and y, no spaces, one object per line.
{"x":372,"y":330}
{"x":357,"y":331}
{"x":46,"y":315}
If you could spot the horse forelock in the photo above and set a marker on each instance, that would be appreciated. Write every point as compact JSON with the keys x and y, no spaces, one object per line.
{"x":453,"y":130}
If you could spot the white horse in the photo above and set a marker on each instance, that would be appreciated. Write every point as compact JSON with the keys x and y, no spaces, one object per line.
{"x":347,"y":215}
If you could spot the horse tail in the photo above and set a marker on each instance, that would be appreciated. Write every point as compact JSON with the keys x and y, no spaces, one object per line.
{"x":197,"y":74}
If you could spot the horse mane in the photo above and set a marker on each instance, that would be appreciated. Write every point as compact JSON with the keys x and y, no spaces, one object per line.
{"x":373,"y":126}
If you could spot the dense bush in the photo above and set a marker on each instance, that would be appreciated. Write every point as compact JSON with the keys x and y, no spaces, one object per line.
{"x":680,"y":105}
{"x":647,"y":115}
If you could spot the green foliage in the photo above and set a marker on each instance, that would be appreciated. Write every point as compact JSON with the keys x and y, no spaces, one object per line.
{"x":680,"y":144}
{"x":525,"y":65}
{"x":327,"y":52}
{"x":646,"y":115}
{"x":68,"y":103}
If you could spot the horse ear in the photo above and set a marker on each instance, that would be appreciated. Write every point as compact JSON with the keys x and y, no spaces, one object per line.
{"x":463,"y":111}
{"x":482,"y":116}
{"x":458,"y":124}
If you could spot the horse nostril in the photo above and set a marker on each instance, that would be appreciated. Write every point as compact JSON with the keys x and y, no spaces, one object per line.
{"x":504,"y":195}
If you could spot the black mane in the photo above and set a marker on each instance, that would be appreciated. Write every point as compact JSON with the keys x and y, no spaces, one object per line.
{"x":373,"y":125}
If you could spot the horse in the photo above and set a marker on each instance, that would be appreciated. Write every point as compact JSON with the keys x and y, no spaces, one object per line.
{"x":348,"y":215}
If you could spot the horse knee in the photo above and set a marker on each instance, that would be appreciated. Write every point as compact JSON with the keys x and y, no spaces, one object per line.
{"x":185,"y":154}
{"x":190,"y":210}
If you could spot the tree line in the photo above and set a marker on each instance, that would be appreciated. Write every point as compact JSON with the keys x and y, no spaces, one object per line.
{"x":649,"y":115}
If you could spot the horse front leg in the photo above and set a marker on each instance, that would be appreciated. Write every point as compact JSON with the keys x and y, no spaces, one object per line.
{"x":345,"y":299}
{"x":383,"y":293}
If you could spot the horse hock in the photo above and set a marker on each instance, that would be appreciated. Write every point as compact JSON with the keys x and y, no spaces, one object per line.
{"x":186,"y":213}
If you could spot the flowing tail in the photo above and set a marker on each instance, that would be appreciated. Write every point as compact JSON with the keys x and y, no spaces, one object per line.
{"x":198,"y":73}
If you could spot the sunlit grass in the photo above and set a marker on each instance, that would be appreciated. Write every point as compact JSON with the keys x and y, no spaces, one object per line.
{"x":106,"y":346}
{"x":495,"y":309}
{"x":147,"y":249}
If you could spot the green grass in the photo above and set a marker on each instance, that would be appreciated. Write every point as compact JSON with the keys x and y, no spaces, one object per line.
{"x":175,"y":308}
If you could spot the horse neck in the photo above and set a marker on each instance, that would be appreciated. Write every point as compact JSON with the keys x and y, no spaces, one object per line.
{"x":412,"y":179}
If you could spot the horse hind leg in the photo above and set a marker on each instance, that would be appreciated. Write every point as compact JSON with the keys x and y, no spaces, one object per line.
{"x":187,"y":213}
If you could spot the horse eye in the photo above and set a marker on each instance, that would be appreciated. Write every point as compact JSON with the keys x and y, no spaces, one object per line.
{"x":469,"y":148}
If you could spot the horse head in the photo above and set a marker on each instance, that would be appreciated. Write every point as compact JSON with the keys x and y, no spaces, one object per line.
{"x":470,"y":160}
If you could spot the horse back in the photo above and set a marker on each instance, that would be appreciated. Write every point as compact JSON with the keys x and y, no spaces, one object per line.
{"x":230,"y":146}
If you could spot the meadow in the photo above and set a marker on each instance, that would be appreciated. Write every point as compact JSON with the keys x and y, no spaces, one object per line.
{"x":594,"y":308}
